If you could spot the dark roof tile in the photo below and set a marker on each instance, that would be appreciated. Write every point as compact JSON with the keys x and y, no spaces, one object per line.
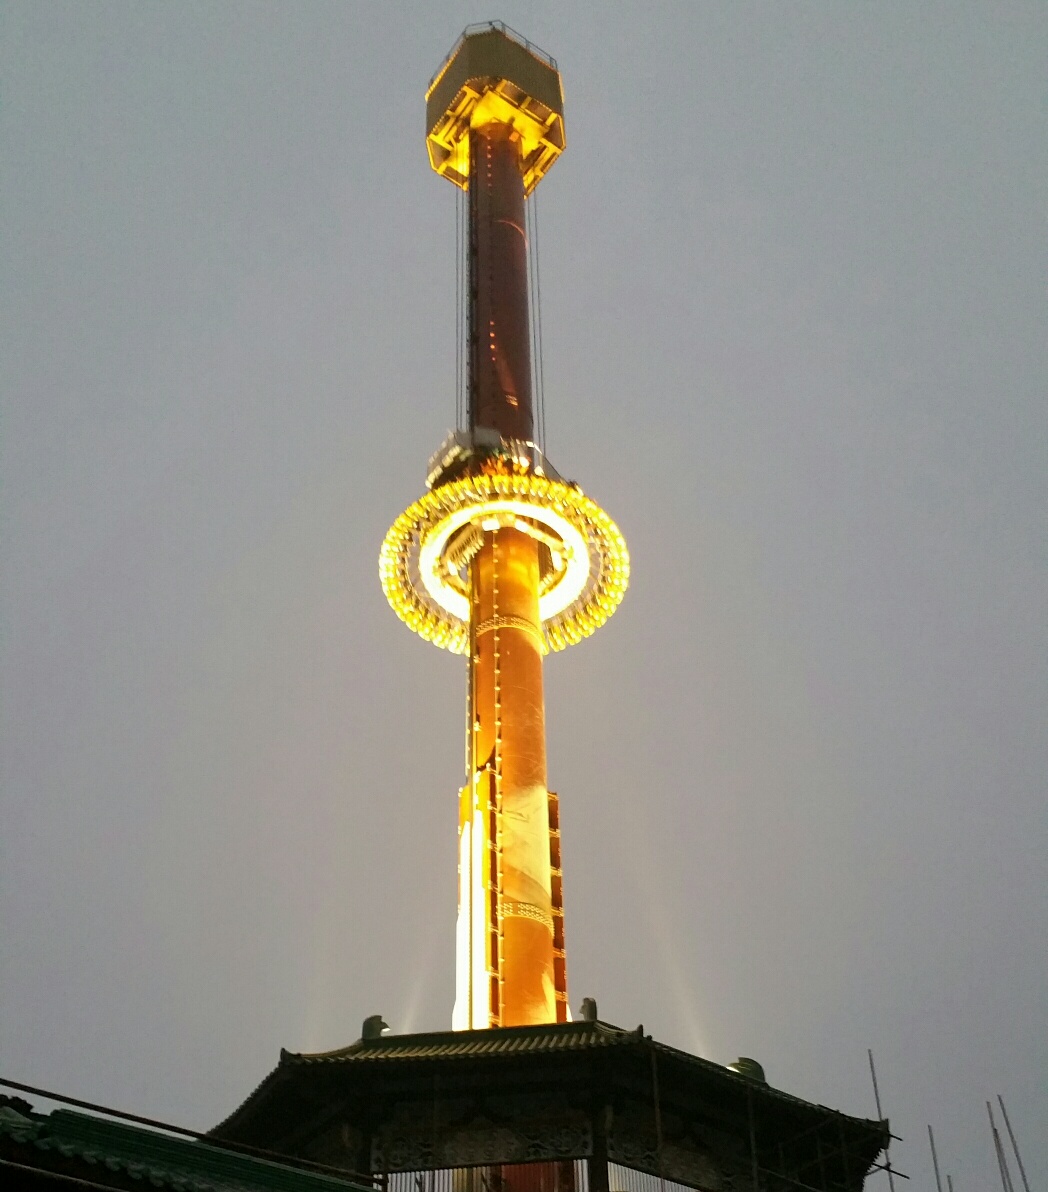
{"x":159,"y":1159}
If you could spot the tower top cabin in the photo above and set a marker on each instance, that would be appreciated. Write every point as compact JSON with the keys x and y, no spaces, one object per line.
{"x":495,"y":76}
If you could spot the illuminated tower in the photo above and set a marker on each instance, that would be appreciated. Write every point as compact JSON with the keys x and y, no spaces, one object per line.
{"x":502,"y":560}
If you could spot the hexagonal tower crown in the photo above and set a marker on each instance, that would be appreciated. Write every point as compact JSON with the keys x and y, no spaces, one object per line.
{"x":494,"y":74}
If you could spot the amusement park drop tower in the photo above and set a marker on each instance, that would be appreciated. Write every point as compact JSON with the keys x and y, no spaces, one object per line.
{"x":502,"y":560}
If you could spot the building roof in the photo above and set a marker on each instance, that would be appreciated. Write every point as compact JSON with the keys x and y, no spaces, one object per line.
{"x":499,"y":1041}
{"x":304,"y":1087}
{"x":502,"y":1042}
{"x":115,"y":1154}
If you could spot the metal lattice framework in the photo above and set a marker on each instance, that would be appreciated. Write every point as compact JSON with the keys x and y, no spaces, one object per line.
{"x":425,"y":548}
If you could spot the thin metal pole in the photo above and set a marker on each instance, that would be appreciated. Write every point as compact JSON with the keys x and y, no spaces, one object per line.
{"x":1015,"y":1145}
{"x":33,"y":1174}
{"x":753,"y":1140}
{"x":949,"y":1182}
{"x":203,"y":1136}
{"x":844,"y":1153}
{"x":538,"y":307}
{"x":658,"y":1116}
{"x":1002,"y":1163}
{"x":935,"y":1158}
{"x":529,"y":221}
{"x":119,"y":1113}
{"x":462,"y":202}
{"x":458,"y":307}
{"x":880,"y":1118}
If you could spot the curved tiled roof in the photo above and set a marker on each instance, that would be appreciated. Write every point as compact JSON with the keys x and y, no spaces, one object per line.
{"x":105,"y":1151}
{"x":501,"y":1041}
{"x":504,"y":1043}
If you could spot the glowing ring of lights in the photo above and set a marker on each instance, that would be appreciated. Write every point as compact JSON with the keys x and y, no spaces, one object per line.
{"x":595,"y":575}
{"x":435,"y":538}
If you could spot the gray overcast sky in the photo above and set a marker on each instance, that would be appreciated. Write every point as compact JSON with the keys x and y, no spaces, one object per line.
{"x":793,"y":271}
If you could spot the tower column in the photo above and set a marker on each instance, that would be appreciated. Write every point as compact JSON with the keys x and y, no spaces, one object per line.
{"x":507,"y":725}
{"x":508,"y":730}
{"x":502,"y":560}
{"x":499,"y":357}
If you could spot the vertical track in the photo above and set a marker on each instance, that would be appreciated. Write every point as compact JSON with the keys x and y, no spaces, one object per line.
{"x":506,"y":728}
{"x":497,"y":934}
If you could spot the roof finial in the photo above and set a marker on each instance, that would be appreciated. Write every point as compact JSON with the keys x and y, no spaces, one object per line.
{"x":373,"y":1027}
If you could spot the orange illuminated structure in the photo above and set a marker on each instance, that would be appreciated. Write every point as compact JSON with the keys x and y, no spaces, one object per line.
{"x":501,"y":559}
